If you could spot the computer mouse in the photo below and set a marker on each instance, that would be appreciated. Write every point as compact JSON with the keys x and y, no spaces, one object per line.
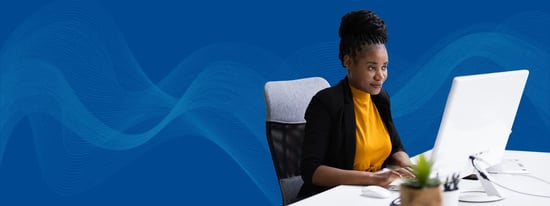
{"x":375,"y":191}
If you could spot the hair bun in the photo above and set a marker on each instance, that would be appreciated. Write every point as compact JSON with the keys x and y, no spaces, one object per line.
{"x":362,"y":23}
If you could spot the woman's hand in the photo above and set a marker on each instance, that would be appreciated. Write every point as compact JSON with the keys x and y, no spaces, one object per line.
{"x":405,"y":172}
{"x":384,"y":177}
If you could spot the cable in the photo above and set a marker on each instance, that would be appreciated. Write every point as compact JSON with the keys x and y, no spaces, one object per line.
{"x":484,"y":176}
{"x":396,"y":202}
{"x":520,"y":192}
{"x":481,"y":173}
{"x":534,"y":177}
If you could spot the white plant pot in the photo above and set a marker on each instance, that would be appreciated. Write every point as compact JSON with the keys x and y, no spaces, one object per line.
{"x":450,"y":198}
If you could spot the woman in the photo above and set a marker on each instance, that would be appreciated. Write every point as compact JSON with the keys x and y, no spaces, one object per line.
{"x":350,"y":135}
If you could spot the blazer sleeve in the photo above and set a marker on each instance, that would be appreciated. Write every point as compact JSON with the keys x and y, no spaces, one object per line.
{"x":316,"y":139}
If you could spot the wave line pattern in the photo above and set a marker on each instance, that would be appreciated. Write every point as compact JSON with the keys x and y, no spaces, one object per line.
{"x":68,"y":70}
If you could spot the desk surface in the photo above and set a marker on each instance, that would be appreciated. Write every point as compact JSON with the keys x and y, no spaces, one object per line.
{"x":537,"y":181}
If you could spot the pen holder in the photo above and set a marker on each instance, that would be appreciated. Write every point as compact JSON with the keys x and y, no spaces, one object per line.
{"x":450,"y":198}
{"x":451,"y":190}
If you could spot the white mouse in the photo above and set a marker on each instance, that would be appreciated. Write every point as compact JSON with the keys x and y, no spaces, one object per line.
{"x":375,"y":191}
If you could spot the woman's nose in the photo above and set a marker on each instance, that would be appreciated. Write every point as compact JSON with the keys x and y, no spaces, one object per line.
{"x":379,"y":75}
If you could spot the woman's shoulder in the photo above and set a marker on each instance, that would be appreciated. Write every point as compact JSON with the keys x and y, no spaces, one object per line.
{"x":336,"y":89}
{"x":331,"y":95}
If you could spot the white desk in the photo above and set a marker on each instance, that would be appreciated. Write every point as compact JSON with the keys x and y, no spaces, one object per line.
{"x":536,"y":162}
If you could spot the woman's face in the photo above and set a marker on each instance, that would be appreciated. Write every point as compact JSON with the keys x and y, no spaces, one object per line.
{"x":368,"y":70}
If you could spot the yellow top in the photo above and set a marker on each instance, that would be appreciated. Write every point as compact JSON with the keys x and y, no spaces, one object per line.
{"x":373,"y":140}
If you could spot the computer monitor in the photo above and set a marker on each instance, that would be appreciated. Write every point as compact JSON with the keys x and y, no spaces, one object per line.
{"x":477,"y":120}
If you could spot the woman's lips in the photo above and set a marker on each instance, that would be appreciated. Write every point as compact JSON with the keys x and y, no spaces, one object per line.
{"x":376,"y":85}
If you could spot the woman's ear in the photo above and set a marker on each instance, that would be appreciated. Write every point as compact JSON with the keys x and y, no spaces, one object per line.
{"x":347,"y":61}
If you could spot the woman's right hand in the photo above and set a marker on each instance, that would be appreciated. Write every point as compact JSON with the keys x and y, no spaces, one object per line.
{"x":384,"y":177}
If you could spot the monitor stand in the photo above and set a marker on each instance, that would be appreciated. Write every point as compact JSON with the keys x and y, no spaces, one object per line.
{"x":477,"y":197}
{"x":491,"y":194}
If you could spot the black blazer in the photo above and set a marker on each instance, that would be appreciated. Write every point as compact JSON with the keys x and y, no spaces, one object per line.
{"x":330,"y":132}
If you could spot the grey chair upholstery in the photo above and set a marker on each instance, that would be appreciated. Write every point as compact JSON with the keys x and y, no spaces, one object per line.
{"x":286,"y":103}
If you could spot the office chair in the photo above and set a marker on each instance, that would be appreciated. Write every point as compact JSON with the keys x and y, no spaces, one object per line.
{"x":286,"y":103}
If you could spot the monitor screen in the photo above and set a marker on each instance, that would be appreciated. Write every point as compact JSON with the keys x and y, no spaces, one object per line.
{"x":477,"y":120}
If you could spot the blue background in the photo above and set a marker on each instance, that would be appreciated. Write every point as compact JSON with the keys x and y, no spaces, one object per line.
{"x":161,"y":102}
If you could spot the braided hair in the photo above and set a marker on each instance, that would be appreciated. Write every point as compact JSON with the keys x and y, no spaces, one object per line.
{"x":359,"y":29}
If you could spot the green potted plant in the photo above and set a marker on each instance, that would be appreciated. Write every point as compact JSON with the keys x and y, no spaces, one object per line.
{"x":424,"y":190}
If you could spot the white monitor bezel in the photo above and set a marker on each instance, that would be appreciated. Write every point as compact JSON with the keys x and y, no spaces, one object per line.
{"x":479,"y":114}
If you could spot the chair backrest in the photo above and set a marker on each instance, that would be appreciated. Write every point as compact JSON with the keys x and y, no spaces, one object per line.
{"x":286,"y":103}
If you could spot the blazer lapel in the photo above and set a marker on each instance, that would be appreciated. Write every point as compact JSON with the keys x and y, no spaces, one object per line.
{"x":348,"y":118}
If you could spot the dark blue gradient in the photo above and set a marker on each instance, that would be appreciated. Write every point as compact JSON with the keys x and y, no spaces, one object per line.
{"x":161,"y":103}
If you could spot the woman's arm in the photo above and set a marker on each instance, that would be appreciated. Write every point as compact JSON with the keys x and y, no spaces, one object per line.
{"x":400,"y":159}
{"x":331,"y":176}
